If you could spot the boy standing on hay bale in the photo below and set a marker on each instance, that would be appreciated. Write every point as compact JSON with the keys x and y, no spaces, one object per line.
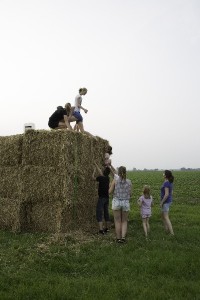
{"x":103,"y":201}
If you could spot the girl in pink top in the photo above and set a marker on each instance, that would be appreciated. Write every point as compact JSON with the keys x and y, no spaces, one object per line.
{"x":145,"y":202}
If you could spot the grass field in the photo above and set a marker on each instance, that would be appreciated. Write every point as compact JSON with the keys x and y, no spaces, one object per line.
{"x":86,"y":266}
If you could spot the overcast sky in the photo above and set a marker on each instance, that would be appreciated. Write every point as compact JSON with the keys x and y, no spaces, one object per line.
{"x":139,"y":60}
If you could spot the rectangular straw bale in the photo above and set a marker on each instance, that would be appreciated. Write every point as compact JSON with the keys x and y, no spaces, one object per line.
{"x":11,"y":150}
{"x":78,"y":216}
{"x":11,"y":183}
{"x":100,"y":150}
{"x":48,"y":148}
{"x":41,"y":184}
{"x":45,"y":217}
{"x":10,"y":214}
{"x":84,"y":199}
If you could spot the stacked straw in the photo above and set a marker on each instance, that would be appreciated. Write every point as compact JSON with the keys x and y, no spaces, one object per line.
{"x":47,"y":185}
{"x":10,"y":181}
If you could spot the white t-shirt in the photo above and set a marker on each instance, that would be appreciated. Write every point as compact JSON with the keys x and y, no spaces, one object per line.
{"x":78,"y":101}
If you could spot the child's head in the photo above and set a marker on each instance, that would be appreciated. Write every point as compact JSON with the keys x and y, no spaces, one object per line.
{"x":68,"y":107}
{"x":109,"y":149}
{"x":146,"y":191}
{"x":107,"y":155}
{"x":82,"y":91}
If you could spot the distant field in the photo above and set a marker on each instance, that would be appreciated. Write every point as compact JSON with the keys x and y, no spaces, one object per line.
{"x":186,"y":184}
{"x":85,"y":266}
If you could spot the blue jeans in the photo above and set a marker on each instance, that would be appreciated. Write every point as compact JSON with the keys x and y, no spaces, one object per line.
{"x":102,"y":208}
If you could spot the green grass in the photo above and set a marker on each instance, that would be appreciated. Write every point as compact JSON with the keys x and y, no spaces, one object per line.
{"x":85,"y":266}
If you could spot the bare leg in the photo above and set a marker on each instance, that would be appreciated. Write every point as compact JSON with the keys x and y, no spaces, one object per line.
{"x":144,"y":223}
{"x":167,"y":223}
{"x":81,"y":128}
{"x":124,"y":223}
{"x":148,"y":226}
{"x":164,"y":222}
{"x":63,"y":125}
{"x":117,"y":219}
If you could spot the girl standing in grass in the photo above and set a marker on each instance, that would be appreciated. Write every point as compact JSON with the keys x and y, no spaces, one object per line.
{"x":166,"y":200}
{"x":121,"y":189}
{"x":145,"y":202}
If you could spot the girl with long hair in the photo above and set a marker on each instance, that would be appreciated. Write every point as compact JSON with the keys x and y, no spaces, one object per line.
{"x":121,"y":189}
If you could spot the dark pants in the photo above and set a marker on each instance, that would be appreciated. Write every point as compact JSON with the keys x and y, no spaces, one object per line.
{"x":102,"y":208}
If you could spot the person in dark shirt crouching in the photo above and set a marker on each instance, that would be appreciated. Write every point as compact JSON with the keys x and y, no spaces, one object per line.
{"x":103,"y":200}
{"x":60,"y":118}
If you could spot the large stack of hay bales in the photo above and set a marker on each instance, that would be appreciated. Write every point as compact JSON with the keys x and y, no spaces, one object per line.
{"x":46,"y":180}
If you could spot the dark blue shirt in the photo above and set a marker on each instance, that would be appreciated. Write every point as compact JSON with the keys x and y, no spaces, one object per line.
{"x":168,"y":185}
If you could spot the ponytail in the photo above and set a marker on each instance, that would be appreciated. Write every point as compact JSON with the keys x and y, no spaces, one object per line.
{"x":122,"y":172}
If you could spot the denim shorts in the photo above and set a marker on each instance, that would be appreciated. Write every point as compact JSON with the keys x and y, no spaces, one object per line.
{"x":165,"y":207}
{"x":144,"y":216}
{"x":78,"y":116}
{"x":123,"y":205}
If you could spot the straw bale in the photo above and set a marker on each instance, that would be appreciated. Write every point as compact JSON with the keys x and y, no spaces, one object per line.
{"x":10,"y":214}
{"x":48,"y":148}
{"x":61,"y":148}
{"x":44,"y":217}
{"x":77,"y":215}
{"x":11,"y":183}
{"x":41,"y":184}
{"x":11,"y":150}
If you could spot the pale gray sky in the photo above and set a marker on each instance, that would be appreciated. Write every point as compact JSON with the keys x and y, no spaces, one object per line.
{"x":139,"y":59}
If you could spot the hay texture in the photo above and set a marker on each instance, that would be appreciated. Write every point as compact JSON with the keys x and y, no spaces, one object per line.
{"x":46,"y":180}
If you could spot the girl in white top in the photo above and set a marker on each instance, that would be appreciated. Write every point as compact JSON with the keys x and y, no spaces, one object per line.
{"x":77,"y":115}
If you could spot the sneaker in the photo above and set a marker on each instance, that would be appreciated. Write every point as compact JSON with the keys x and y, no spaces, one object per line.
{"x":106,"y":230}
{"x":119,"y":241}
{"x":123,"y":240}
{"x":101,"y":232}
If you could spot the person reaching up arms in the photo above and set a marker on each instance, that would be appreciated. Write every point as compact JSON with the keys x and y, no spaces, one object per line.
{"x":121,"y":189}
{"x":103,"y":200}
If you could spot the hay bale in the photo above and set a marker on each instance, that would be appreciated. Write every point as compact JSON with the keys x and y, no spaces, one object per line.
{"x":11,"y":150}
{"x":10,"y":214}
{"x":41,"y":184}
{"x":61,"y":148}
{"x":53,"y":179}
{"x":43,"y":217}
{"x":10,"y":182}
{"x":48,"y":148}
